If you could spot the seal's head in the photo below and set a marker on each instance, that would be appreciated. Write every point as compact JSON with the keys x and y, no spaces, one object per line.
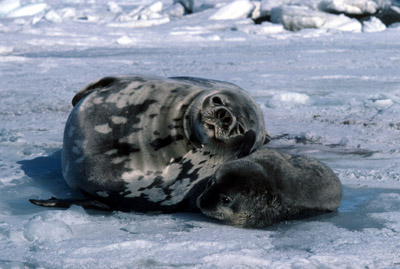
{"x":225,"y":118}
{"x":241,"y":194}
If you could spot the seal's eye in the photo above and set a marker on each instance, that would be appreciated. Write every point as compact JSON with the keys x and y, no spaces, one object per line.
{"x":225,"y":200}
{"x":217,"y":101}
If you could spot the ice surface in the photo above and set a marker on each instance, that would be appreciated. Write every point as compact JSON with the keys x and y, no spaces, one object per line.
{"x":329,"y":94}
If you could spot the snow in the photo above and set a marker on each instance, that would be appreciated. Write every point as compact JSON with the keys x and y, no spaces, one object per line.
{"x":327,"y":93}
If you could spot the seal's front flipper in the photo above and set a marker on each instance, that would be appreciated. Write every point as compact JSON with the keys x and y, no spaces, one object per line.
{"x":267,"y":138}
{"x":66,"y":203}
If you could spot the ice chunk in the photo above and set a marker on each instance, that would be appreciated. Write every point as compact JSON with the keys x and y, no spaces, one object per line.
{"x":28,"y":10}
{"x":176,"y":10}
{"x":236,"y":10}
{"x":68,"y":13}
{"x":267,"y":5}
{"x":148,"y":12}
{"x":143,"y":16}
{"x":342,"y":23}
{"x":256,"y":13}
{"x":295,"y":18}
{"x":355,"y":7}
{"x":6,"y":49}
{"x":125,"y":40}
{"x":114,"y":8}
{"x":53,"y":16}
{"x":6,"y":6}
{"x":140,"y":23}
{"x":307,"y":138}
{"x":45,"y":230}
{"x":373,"y":25}
{"x":266,"y":28}
{"x":289,"y":99}
{"x":381,"y":103}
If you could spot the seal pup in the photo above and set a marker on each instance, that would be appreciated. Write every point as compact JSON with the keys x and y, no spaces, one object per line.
{"x":269,"y":186}
{"x":147,"y":143}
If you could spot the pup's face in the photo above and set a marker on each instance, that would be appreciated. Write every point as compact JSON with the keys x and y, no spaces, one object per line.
{"x":241,"y":194}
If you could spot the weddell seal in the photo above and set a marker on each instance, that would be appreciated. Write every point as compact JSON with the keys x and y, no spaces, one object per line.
{"x":267,"y":187}
{"x":147,"y":143}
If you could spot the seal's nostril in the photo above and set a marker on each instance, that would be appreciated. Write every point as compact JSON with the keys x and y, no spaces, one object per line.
{"x":221,"y":114}
{"x":217,"y":101}
{"x":224,"y":116}
{"x":227,"y":120}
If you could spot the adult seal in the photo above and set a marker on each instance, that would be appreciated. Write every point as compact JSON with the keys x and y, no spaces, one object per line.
{"x":267,"y":187}
{"x":147,"y":143}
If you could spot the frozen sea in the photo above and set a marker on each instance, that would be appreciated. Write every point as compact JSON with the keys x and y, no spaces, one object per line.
{"x":327,"y":93}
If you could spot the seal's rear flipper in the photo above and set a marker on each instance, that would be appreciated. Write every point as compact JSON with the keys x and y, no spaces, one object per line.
{"x":66,"y":203}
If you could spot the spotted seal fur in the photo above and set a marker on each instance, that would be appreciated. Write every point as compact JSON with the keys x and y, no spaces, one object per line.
{"x":149,"y":143}
{"x":269,"y":186}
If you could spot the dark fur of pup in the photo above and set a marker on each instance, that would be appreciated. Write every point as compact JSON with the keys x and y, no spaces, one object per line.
{"x":267,"y":187}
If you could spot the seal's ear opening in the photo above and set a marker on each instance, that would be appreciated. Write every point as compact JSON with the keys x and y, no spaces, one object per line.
{"x":267,"y":138}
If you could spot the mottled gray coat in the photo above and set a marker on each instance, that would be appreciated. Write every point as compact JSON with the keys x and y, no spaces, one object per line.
{"x":149,"y":143}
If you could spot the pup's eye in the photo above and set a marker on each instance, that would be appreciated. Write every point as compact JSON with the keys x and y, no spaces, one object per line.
{"x":225,"y":199}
